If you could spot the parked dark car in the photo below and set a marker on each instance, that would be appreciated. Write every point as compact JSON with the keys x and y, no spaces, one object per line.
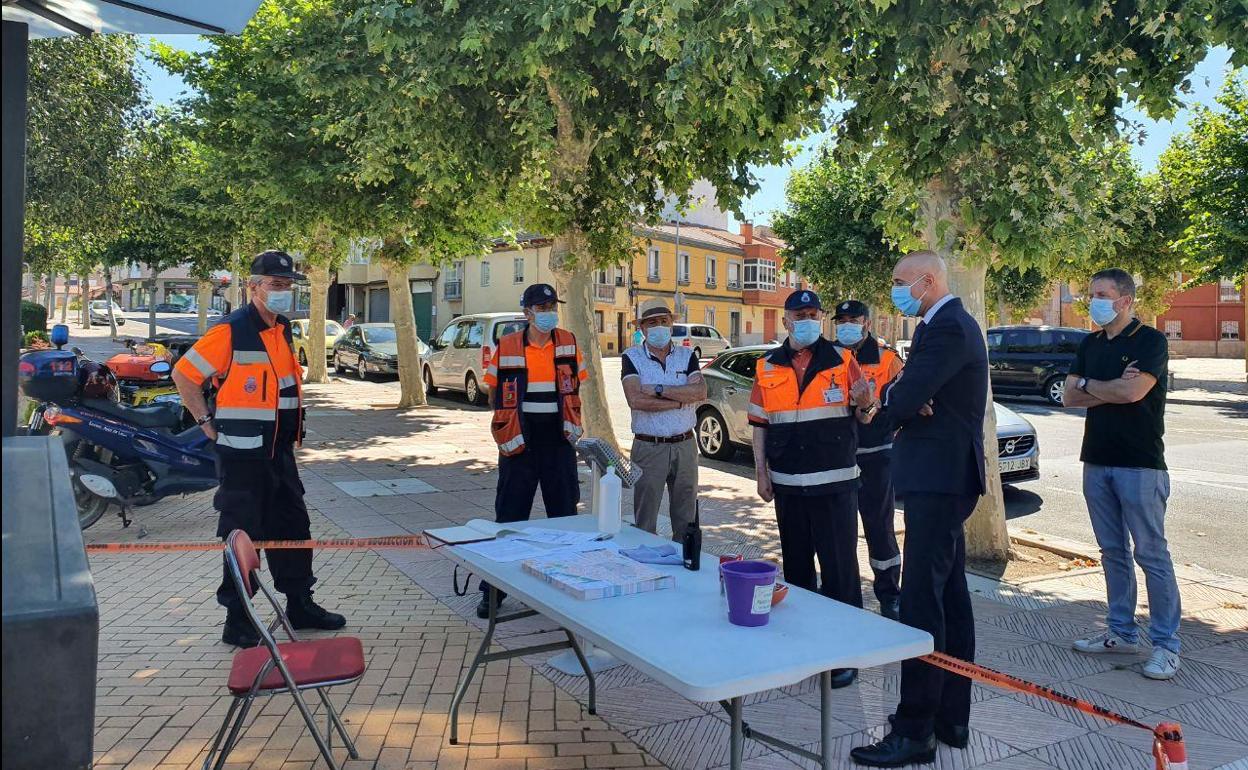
{"x":1032,"y":360}
{"x":170,"y":307}
{"x":368,"y":349}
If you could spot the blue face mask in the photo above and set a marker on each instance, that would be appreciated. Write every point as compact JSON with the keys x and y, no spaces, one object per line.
{"x":280,"y":301}
{"x":659,"y":336}
{"x":905,"y":302}
{"x":849,"y":334}
{"x":546,"y":319}
{"x":1102,"y":311}
{"x":806,"y":331}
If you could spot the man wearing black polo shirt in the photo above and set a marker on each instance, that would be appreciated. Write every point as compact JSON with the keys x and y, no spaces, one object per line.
{"x":1119,"y":374}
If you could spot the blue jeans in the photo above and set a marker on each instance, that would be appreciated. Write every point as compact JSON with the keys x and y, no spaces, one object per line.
{"x":1128,"y":505}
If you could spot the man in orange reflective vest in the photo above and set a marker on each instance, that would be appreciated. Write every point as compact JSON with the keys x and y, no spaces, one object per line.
{"x":879,"y":364}
{"x":805,"y":438}
{"x":255,"y":421}
{"x":535,"y":383}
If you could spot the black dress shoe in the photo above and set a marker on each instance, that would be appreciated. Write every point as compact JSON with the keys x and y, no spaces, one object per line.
{"x":896,"y":751}
{"x":483,"y":606}
{"x":239,"y":631}
{"x":843,"y":677}
{"x":891,"y":608}
{"x":956,"y":736}
{"x":305,"y":613}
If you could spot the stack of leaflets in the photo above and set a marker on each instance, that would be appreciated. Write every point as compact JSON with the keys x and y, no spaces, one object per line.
{"x":597,"y":574}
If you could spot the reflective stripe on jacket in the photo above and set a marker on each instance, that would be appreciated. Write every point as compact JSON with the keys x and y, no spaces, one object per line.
{"x":514,"y":396}
{"x":876,"y":362}
{"x":811,"y":433}
{"x":251,"y":397}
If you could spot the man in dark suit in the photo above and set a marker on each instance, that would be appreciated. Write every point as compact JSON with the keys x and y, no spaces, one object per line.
{"x":938,"y":403}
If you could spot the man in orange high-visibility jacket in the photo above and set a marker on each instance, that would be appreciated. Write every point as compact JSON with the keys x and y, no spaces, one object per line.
{"x":535,"y":383}
{"x":805,"y":437}
{"x":255,"y":421}
{"x":876,"y":503}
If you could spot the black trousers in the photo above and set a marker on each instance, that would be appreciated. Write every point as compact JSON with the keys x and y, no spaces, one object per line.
{"x":264,"y":498}
{"x":823,"y":527}
{"x":876,"y":505}
{"x":934,"y":598}
{"x":550,"y":464}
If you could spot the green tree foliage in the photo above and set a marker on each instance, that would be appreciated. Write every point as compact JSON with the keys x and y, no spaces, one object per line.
{"x":830,"y":224}
{"x":1206,"y":172}
{"x":605,"y":105}
{"x":981,"y":116}
{"x":1011,"y":289}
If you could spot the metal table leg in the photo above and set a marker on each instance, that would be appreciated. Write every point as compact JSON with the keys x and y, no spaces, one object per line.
{"x":737,"y":747}
{"x":483,"y":656}
{"x":825,"y":719}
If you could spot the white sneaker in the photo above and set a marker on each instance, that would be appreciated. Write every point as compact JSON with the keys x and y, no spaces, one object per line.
{"x":1106,"y":641}
{"x":1162,"y":664}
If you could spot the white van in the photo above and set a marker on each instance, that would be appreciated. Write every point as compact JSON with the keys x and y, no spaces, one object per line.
{"x":462,"y":352}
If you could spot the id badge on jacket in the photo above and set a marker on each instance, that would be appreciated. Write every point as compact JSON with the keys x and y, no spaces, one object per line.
{"x":833,"y":396}
{"x":566,"y":383}
{"x":510,"y":394}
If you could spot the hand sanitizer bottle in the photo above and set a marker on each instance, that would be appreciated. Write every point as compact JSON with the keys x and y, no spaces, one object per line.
{"x":610,"y":500}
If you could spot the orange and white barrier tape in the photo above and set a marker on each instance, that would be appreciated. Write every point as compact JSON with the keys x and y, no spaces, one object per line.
{"x":1169,"y":753}
{"x":346,"y":543}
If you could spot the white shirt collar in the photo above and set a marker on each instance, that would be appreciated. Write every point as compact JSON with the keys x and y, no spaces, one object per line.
{"x":931,"y":311}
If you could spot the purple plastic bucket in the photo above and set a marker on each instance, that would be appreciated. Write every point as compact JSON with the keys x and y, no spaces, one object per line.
{"x":749,"y":585}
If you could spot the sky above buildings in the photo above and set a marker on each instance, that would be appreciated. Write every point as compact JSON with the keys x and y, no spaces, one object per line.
{"x":760,"y":207}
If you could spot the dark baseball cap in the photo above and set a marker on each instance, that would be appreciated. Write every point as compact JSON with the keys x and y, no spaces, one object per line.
{"x":539,"y":294}
{"x":277,"y":264}
{"x":800,"y":300}
{"x":852,"y":308}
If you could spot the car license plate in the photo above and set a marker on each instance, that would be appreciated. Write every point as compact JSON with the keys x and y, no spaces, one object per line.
{"x":1010,"y":466}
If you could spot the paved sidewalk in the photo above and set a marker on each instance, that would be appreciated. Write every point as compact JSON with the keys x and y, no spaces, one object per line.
{"x":371,"y":471}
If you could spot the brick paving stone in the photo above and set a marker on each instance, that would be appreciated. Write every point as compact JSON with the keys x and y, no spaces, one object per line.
{"x":161,"y":664}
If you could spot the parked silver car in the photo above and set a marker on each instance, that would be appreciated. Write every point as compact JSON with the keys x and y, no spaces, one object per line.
{"x":723,"y":428}
{"x":463,"y":350}
{"x":706,"y":341}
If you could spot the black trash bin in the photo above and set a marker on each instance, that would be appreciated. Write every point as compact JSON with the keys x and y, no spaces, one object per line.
{"x":51,"y":619}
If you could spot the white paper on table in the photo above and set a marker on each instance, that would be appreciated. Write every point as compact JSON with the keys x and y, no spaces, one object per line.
{"x":508,"y":549}
{"x":549,"y":536}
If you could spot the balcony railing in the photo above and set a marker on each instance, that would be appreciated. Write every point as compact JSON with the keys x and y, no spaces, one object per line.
{"x":453,"y":290}
{"x":604,"y":292}
{"x":734,"y":285}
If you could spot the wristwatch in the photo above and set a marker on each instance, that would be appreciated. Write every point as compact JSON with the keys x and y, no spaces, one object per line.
{"x":870,"y":410}
{"x":658,"y":391}
{"x":206,"y":418}
{"x":1082,"y":384}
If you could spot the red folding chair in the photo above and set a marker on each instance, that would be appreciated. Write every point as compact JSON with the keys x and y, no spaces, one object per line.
{"x":272,"y":667}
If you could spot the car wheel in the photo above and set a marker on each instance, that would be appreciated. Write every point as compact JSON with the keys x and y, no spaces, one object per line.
{"x":361,"y":368}
{"x":472,"y":390}
{"x":303,"y":357}
{"x":713,"y":438}
{"x":428,"y":378}
{"x":1054,"y":389}
{"x":338,"y":367}
{"x":697,"y":354}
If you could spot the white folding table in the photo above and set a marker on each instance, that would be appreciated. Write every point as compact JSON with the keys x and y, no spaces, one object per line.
{"x":681,"y":637}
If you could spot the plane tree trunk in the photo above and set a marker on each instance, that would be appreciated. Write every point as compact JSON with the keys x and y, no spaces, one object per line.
{"x":986,"y":533}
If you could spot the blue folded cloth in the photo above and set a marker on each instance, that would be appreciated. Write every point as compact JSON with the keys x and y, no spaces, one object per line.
{"x":663,"y":554}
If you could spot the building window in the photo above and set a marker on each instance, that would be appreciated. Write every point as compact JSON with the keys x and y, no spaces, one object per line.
{"x":682,"y":267}
{"x":760,"y":274}
{"x":517,"y":269}
{"x":1230,"y":330}
{"x":1227,"y":292}
{"x":710,"y":316}
{"x":453,"y":287}
{"x":485,"y":272}
{"x":734,"y":275}
{"x":792,"y":282}
{"x":619,"y":275}
{"x":652,"y":265}
{"x":1174,"y":330}
{"x":599,"y":321}
{"x":711,"y":264}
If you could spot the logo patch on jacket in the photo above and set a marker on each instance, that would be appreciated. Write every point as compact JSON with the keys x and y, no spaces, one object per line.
{"x":250,"y":386}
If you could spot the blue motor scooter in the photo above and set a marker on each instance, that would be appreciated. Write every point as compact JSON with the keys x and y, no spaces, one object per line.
{"x":118,"y":454}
